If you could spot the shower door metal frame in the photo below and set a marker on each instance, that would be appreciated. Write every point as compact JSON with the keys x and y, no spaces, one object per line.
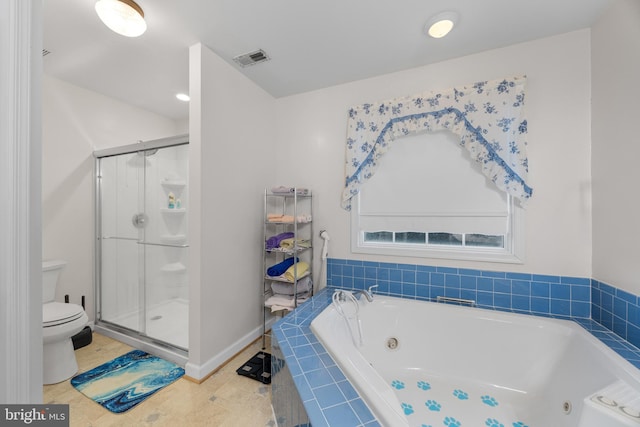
{"x":141,"y":146}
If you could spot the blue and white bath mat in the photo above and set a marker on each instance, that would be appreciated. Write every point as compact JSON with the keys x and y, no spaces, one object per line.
{"x":127,"y":380}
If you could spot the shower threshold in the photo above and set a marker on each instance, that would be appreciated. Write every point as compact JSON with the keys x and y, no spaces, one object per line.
{"x":167,"y":329}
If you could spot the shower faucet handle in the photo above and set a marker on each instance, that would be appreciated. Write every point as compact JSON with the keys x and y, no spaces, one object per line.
{"x":371,"y":288}
{"x":139,"y":220}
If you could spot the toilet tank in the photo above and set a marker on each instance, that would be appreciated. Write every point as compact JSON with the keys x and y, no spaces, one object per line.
{"x":50,"y":273}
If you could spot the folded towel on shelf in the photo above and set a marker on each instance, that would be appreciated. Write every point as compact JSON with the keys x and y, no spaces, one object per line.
{"x":281,"y":268}
{"x":283,"y":302}
{"x":290,"y":190}
{"x":280,"y":218}
{"x":274,"y":216}
{"x":275,"y":241}
{"x":303,"y":218}
{"x":288,"y":219}
{"x":290,"y":243}
{"x":298,"y":269}
{"x":304,"y":285}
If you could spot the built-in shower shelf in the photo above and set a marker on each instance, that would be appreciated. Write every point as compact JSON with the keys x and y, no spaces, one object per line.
{"x":175,"y":185}
{"x":174,"y":267}
{"x":175,"y":211}
{"x":173,"y":239}
{"x":174,"y":182}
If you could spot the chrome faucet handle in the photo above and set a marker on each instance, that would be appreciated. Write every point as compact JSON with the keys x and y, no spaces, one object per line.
{"x":340,"y":296}
{"x":371,"y":288}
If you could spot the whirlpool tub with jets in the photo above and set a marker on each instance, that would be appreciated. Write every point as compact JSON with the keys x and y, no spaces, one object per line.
{"x":418,"y":363}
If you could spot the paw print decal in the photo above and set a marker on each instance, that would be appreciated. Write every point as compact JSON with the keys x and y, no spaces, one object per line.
{"x":408,"y":409}
{"x":488,"y":400}
{"x":432,"y":405}
{"x":397,"y":384}
{"x":423,"y":385}
{"x":460,"y":394}
{"x":451,"y":422}
{"x":519,"y":424}
{"x":492,"y":422}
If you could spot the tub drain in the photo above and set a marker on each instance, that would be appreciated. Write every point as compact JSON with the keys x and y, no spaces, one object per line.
{"x":392,"y":343}
{"x":156,"y":318}
{"x":566,"y":407}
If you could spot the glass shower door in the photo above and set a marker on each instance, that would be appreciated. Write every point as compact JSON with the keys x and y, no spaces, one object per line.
{"x":121,"y":288}
{"x":165,"y":246}
{"x":143,"y":248}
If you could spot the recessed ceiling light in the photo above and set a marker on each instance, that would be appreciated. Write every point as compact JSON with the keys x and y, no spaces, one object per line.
{"x":183,"y":97}
{"x":441,"y":24}
{"x":124,"y":17}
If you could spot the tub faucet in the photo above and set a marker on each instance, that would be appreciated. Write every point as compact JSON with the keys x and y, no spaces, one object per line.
{"x":367,"y":293}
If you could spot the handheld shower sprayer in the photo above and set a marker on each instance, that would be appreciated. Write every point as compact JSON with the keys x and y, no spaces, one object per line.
{"x":325,"y":247}
{"x":323,"y":258}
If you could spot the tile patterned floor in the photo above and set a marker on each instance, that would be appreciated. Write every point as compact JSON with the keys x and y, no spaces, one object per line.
{"x":226,"y":399}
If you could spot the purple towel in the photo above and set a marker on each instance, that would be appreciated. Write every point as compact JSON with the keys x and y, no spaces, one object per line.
{"x":280,"y":268}
{"x":274,"y":241}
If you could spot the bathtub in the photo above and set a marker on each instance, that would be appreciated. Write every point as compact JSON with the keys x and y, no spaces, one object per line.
{"x":418,"y":363}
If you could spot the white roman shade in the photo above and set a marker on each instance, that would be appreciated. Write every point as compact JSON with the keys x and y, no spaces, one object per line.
{"x":454,"y":197}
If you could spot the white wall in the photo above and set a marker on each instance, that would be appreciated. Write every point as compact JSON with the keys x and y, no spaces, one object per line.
{"x":312,"y":127}
{"x":232,"y":160}
{"x":616,"y":146}
{"x":75,"y":122}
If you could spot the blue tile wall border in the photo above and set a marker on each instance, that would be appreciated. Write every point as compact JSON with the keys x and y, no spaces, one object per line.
{"x":518,"y":292}
{"x":562,"y":296}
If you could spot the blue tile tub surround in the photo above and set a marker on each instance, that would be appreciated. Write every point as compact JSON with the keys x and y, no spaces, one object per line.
{"x":519,"y":292}
{"x":616,"y":310}
{"x":328,"y":397}
{"x":610,"y":314}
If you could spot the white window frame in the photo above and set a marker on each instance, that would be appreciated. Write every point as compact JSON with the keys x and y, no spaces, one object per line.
{"x":513,"y":251}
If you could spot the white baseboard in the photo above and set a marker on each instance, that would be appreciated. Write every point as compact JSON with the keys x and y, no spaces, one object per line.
{"x":199,"y":372}
{"x":192,"y":370}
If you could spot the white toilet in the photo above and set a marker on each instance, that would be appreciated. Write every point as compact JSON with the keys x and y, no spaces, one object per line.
{"x":60,"y":322}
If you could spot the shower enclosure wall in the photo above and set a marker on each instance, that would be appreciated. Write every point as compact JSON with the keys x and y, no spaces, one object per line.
{"x":142,"y":243}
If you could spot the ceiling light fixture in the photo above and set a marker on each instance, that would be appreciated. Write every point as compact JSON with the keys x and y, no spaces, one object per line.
{"x":183,"y":97}
{"x":441,"y":24}
{"x":124,"y":17}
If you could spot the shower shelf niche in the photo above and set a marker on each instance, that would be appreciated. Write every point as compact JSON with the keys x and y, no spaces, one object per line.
{"x":173,"y":211}
{"x":173,"y":239}
{"x":174,"y":185}
{"x":174,"y":267}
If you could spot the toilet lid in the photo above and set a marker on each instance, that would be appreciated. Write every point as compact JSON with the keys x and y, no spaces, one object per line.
{"x":57,"y":313}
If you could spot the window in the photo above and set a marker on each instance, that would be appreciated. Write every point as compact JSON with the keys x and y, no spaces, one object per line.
{"x":429,"y":199}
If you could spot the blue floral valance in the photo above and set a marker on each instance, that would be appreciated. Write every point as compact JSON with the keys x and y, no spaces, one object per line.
{"x":487,"y":116}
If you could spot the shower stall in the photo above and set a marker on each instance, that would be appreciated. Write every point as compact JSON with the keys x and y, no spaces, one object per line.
{"x":142,"y":245}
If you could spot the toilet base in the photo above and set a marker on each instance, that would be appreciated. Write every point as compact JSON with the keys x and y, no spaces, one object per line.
{"x":59,"y":361}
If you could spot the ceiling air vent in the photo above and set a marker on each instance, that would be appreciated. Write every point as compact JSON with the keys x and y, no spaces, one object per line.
{"x":45,"y":52}
{"x":251,"y":58}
